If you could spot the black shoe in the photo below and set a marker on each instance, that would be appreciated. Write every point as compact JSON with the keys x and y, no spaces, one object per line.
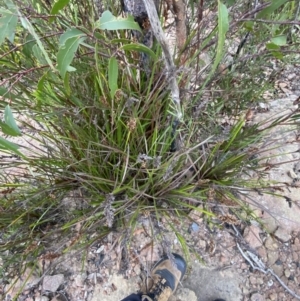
{"x":165,"y":276}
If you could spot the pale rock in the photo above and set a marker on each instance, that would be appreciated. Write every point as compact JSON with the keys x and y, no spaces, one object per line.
{"x":41,"y":298}
{"x":295,"y":256}
{"x":273,"y":296}
{"x":269,"y":222}
{"x":257,"y":297}
{"x":270,"y":244}
{"x":281,"y":296}
{"x":183,"y":294}
{"x":272,"y":257}
{"x":253,"y":280}
{"x":287,"y":273}
{"x":244,"y":266}
{"x":52,"y":283}
{"x":113,"y":255}
{"x":202,"y":244}
{"x":296,"y":245}
{"x":291,"y":76}
{"x":251,"y":235}
{"x":259,"y":281}
{"x":79,"y":279}
{"x":262,"y":252}
{"x":282,"y":234}
{"x":278,"y":270}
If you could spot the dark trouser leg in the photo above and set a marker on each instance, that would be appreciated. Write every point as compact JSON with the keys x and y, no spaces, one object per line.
{"x":133,"y":297}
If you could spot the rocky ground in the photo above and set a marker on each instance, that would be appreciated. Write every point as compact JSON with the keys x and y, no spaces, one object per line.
{"x":232,"y":260}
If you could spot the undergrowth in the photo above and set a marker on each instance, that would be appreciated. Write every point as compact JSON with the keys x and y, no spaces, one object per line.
{"x":97,"y":130}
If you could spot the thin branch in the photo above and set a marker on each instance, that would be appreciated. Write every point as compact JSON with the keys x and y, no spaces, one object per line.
{"x":160,"y":36}
{"x":253,"y":12}
{"x":270,"y":21}
{"x":14,"y":49}
{"x":257,"y":264}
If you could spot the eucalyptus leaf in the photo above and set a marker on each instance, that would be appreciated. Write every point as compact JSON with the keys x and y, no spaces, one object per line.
{"x":9,"y":146}
{"x":66,"y":54}
{"x":29,"y":43}
{"x":27,"y":25}
{"x":10,"y":122}
{"x":58,"y":5}
{"x":280,"y":40}
{"x":140,"y":48}
{"x":277,"y":54}
{"x":8,"y":24}
{"x":38,"y":55}
{"x":272,"y":46}
{"x":110,"y":22}
{"x":70,"y":33}
{"x":6,"y":129}
{"x":271,"y":8}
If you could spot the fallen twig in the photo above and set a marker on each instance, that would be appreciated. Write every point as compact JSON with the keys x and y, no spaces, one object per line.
{"x":257,"y":264}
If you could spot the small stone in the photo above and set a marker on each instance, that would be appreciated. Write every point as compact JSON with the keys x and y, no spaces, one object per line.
{"x":282,"y":84}
{"x":52,"y":283}
{"x":282,"y":234}
{"x":291,"y":76}
{"x":270,"y":244}
{"x":113,"y":256}
{"x":278,"y":262}
{"x":259,"y":281}
{"x":222,"y":259}
{"x":284,"y":257}
{"x":296,"y":244}
{"x":257,"y":297}
{"x":183,"y":294}
{"x":137,"y":269}
{"x":295,"y":256}
{"x":287,"y":273}
{"x":281,"y":296}
{"x":273,"y":296}
{"x":291,"y":278}
{"x":262,"y":252}
{"x":194,"y":227}
{"x":272,"y":257}
{"x":251,"y":235}
{"x":41,"y":298}
{"x":293,"y":286}
{"x":252,"y":280}
{"x":79,"y":280}
{"x":263,"y":106}
{"x":278,"y":270}
{"x":202,"y":244}
{"x":269,"y":223}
